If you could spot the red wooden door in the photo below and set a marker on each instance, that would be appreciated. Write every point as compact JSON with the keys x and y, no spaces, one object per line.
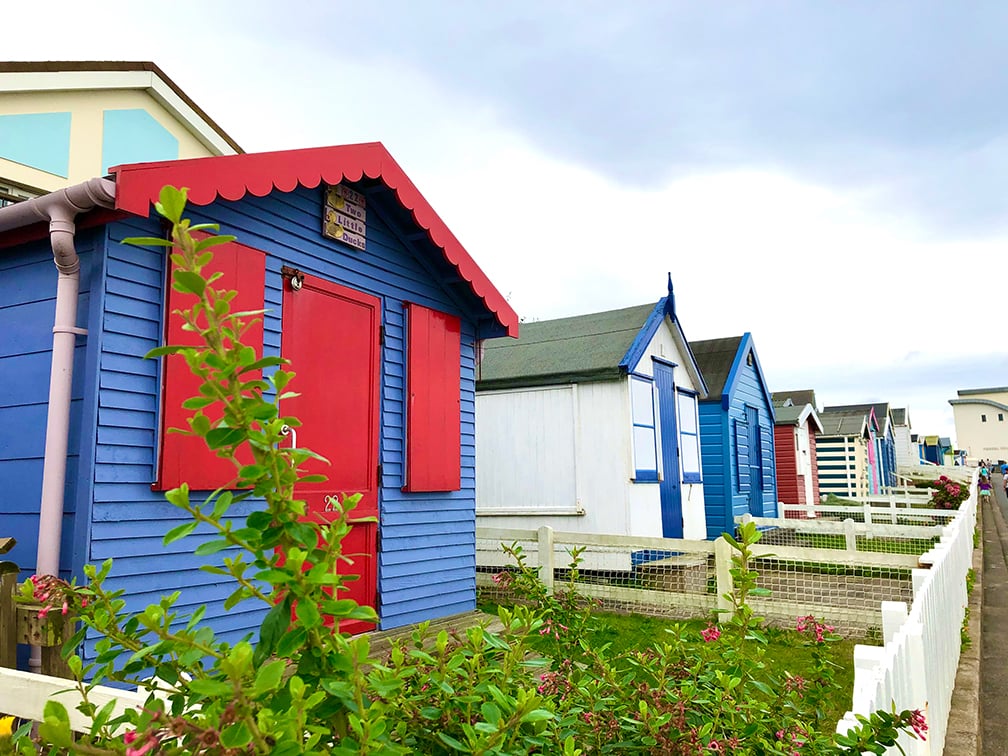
{"x":331,"y":337}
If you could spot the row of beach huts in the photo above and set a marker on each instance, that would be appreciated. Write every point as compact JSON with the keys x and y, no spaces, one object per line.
{"x":415,"y":376}
{"x":614,"y":423}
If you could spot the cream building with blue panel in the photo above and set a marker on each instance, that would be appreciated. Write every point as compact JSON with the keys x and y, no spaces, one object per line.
{"x":62,"y":123}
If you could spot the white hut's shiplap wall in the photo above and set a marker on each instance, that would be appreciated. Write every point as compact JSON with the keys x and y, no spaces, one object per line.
{"x":907,"y":453}
{"x":562,"y":456}
{"x":559,"y":456}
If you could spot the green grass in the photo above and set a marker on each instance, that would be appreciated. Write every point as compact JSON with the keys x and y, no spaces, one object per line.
{"x":785,"y":648}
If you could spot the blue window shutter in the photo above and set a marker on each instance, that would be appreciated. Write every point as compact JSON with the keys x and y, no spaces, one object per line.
{"x":741,"y":456}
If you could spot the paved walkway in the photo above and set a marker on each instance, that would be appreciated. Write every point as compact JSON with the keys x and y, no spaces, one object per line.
{"x":994,"y":624}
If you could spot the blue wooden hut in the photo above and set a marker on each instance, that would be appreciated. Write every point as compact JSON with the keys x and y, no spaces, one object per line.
{"x":736,"y":433}
{"x":367,"y":292}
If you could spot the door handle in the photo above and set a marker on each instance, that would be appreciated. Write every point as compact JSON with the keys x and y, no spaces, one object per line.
{"x":286,"y":430}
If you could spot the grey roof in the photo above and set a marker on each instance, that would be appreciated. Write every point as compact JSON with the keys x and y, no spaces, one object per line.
{"x":840,"y":422}
{"x":973,"y":392}
{"x":798,"y":398}
{"x":881,"y":411}
{"x":793,"y":415}
{"x":715,"y":358}
{"x":900,"y":417}
{"x":788,"y":415}
{"x":564,"y":350}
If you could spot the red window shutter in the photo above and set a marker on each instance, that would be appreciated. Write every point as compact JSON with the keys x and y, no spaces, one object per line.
{"x":434,"y":414}
{"x":186,"y":458}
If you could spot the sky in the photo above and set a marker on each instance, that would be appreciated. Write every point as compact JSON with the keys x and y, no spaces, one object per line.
{"x":827,"y":176}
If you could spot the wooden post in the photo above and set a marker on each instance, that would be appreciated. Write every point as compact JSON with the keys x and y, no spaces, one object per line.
{"x":49,"y":633}
{"x":546,"y":557}
{"x":725,"y":583}
{"x":892,"y":509}
{"x":849,"y":537}
{"x":8,"y":636}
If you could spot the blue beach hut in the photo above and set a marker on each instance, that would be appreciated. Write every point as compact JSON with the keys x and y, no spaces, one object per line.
{"x":736,"y":433}
{"x":367,"y":292}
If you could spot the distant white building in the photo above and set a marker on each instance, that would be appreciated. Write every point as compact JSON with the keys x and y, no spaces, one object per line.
{"x":981,"y":422}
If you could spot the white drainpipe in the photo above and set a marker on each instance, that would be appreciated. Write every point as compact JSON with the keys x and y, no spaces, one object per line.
{"x":60,"y":209}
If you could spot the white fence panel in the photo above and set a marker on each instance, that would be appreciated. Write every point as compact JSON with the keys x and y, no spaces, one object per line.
{"x":916,"y":668}
{"x":24,"y":695}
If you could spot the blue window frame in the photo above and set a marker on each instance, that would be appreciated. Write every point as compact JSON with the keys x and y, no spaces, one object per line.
{"x":642,"y":415}
{"x":689,"y":436}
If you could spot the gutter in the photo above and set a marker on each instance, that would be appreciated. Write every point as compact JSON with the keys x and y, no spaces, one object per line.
{"x":60,"y":208}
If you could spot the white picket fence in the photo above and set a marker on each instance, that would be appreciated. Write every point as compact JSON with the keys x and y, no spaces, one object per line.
{"x":916,"y":667}
{"x":24,"y":695}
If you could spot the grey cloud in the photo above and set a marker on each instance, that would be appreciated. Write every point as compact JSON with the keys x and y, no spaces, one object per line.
{"x":906,"y":95}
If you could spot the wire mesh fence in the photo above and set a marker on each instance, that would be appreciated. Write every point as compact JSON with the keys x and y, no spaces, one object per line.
{"x":839,"y":571}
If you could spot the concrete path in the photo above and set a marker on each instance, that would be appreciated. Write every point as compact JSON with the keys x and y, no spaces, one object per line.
{"x":994,"y":623}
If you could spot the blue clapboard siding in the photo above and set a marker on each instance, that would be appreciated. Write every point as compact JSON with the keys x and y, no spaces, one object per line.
{"x":718,"y":472}
{"x":27,"y":305}
{"x":427,"y":558}
{"x":723,"y":499}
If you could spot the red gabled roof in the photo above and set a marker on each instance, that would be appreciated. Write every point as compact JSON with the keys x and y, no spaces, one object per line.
{"x":231,"y":177}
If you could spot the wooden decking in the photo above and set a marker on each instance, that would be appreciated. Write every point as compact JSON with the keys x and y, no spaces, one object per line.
{"x":381,"y":640}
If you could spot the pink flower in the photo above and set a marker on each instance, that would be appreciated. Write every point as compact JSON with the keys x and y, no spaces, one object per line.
{"x":148,"y":745}
{"x":919,"y":724}
{"x":710,"y":634}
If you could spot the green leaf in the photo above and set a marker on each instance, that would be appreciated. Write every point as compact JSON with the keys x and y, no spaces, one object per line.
{"x":211,"y":547}
{"x":197,"y":402}
{"x":222,"y":504}
{"x":218,"y":438}
{"x":262,"y":363}
{"x":451,"y":742}
{"x":179,"y":532}
{"x":171,"y":203}
{"x":212,"y":241}
{"x":269,"y":676}
{"x":147,"y":241}
{"x":210,"y":688}
{"x":179,"y":496}
{"x":538,"y":715}
{"x":55,"y":727}
{"x":274,"y":625}
{"x":236,"y":736}
{"x":161,"y":351}
{"x":308,"y":614}
{"x":274,"y":576}
{"x":291,"y":642}
{"x":188,"y":282}
{"x":204,"y":227}
{"x":491,"y":713}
